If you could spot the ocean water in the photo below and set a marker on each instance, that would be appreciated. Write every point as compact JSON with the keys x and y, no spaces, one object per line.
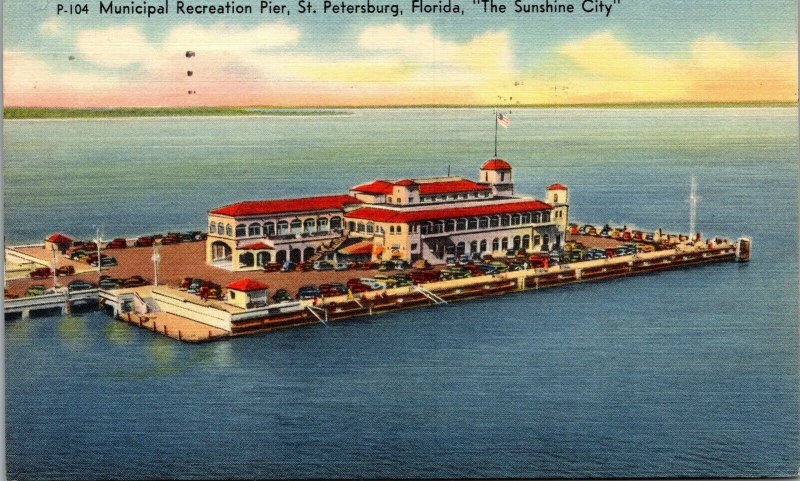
{"x":690,"y":373}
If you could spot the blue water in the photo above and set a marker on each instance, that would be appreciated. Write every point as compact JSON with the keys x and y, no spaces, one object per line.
{"x":690,"y":373}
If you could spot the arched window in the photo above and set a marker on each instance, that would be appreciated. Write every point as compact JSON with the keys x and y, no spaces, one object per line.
{"x":461,"y":224}
{"x":399,"y":229}
{"x":322,"y":224}
{"x":526,"y":218}
{"x":296,"y":226}
{"x":483,"y":222}
{"x":254,"y":230}
{"x":425,"y":229}
{"x":241,"y":230}
{"x":351,"y":226}
{"x":473,"y":247}
{"x":460,"y":248}
{"x":391,"y":229}
{"x":545,"y":217}
{"x":483,"y":246}
{"x":283,"y":227}
{"x":370,"y":228}
{"x":212,"y":227}
{"x":472,"y":223}
{"x":309,"y":226}
{"x":504,"y":244}
{"x":505,"y":220}
{"x":269,"y":228}
{"x":537,"y":218}
{"x":537,"y":240}
{"x":517,"y":242}
{"x":495,"y":244}
{"x":220,"y":229}
{"x":362,"y":227}
{"x":494,"y":221}
{"x":555,"y":198}
{"x":526,"y":242}
{"x":336,"y":223}
{"x":438,"y":227}
{"x":229,"y":230}
{"x":450,"y":225}
{"x":515,"y":218}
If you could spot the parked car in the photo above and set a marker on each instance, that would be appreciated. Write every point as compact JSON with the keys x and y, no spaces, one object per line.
{"x":144,"y":241}
{"x":450,"y":261}
{"x":386,"y":266}
{"x":118,"y":243}
{"x":371,"y":283}
{"x":35,"y":290}
{"x":134,"y":281}
{"x":342,"y":266}
{"x":329,"y":290}
{"x":281,"y":295}
{"x":369,"y":266}
{"x":424,"y":276}
{"x":308,"y":292}
{"x":110,"y":283}
{"x":41,"y":273}
{"x":289,"y":266}
{"x":323,"y":266}
{"x":105,"y":262}
{"x":65,"y":271}
{"x":402,"y":280}
{"x":80,"y":285}
{"x":272,"y":267}
{"x":186,"y":282}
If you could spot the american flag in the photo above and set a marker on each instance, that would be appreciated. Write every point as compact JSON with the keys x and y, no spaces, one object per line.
{"x":503,"y":120}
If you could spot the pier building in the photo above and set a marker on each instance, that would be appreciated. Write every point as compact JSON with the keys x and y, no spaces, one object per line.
{"x":408,"y":219}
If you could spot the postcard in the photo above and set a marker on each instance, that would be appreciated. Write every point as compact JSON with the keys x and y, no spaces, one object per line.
{"x":268,"y":239}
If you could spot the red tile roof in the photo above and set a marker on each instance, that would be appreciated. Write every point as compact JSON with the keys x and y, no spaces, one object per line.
{"x":405,"y":182}
{"x":379,"y":187}
{"x":59,"y":239}
{"x":450,"y":186}
{"x":377,"y":214}
{"x":260,"y":245}
{"x":306,"y":204}
{"x":246,"y":285}
{"x":557,"y":187}
{"x":496,"y":164}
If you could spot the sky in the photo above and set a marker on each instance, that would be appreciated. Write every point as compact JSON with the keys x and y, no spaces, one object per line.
{"x":644,"y":51}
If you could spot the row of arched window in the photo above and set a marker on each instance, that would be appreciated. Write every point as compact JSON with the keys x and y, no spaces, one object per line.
{"x":269,"y":229}
{"x":471,"y":223}
{"x":497,"y":245}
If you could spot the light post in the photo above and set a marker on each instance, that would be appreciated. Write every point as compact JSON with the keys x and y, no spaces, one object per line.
{"x":156,"y":259}
{"x":99,"y":241}
{"x":55,"y":267}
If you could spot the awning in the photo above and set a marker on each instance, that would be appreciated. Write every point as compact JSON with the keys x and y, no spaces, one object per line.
{"x":260,"y":245}
{"x":360,"y":248}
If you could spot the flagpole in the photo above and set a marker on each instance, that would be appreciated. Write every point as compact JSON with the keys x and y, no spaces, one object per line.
{"x":495,"y":133}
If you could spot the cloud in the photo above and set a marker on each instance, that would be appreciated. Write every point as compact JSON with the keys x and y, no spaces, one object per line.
{"x":711,"y":70}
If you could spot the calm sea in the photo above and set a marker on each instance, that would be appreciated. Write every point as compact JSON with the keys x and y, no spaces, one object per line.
{"x":691,"y":373}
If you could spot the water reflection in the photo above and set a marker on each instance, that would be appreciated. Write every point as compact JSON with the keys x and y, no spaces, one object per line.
{"x":73,"y":332}
{"x":117,"y":332}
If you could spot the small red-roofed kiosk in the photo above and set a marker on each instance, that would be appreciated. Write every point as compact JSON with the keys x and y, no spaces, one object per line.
{"x":59,"y":241}
{"x":247,"y":293}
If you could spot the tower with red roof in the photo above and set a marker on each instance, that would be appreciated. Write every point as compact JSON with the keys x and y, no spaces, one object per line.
{"x":496,"y":173}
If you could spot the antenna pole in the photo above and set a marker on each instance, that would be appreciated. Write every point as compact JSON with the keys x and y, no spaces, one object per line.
{"x":693,"y":208}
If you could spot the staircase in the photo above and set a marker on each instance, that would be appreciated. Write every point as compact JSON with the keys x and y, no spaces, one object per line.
{"x":332,"y":246}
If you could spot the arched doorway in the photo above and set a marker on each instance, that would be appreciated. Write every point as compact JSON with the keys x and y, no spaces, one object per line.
{"x":263,"y":258}
{"x":296,"y":256}
{"x":280,"y":257}
{"x":308,"y":252}
{"x":220,"y":251}
{"x":246,"y":260}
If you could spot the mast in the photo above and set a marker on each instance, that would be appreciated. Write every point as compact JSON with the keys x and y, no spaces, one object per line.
{"x":693,"y":209}
{"x":495,"y":133}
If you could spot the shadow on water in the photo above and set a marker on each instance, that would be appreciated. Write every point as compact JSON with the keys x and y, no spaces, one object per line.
{"x":73,"y":331}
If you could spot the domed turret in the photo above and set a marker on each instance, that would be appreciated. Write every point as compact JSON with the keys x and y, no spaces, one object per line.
{"x":497,"y":174}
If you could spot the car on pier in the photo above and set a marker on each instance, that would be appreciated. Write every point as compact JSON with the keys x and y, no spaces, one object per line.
{"x":118,"y":243}
{"x":144,"y":241}
{"x":272,"y":267}
{"x":105,"y":261}
{"x":308,"y":292}
{"x":65,"y":271}
{"x":35,"y":290}
{"x":323,"y":266}
{"x":289,"y":266}
{"x":281,"y":295}
{"x":135,"y":281}
{"x":41,"y":273}
{"x":80,"y":285}
{"x":110,"y":283}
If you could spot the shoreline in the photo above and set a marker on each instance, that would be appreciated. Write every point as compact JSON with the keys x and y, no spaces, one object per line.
{"x":56,"y":113}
